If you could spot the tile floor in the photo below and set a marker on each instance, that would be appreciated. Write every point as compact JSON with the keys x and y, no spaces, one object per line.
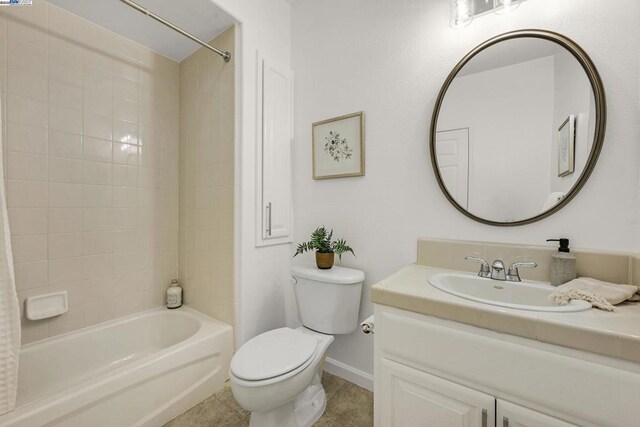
{"x":347,"y":406}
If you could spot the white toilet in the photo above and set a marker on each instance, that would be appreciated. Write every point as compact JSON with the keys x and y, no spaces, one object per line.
{"x":277,"y":375}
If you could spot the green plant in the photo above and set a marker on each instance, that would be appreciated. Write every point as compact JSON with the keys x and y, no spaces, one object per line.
{"x":321,"y":242}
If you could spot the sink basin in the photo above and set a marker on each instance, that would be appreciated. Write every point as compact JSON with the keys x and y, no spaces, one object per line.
{"x":525,"y":295}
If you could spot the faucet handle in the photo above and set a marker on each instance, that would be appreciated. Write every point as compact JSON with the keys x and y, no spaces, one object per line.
{"x":514,"y":275}
{"x":485,"y":271}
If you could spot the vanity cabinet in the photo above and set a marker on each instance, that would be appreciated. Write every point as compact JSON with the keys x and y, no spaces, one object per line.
{"x":435,"y":372}
{"x":511,"y":415}
{"x":411,"y":397}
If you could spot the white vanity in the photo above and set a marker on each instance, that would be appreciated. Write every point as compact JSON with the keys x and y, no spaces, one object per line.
{"x":442,"y":360}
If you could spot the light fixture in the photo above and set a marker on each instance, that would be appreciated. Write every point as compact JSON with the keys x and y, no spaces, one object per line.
{"x":462,"y":12}
{"x":502,"y":7}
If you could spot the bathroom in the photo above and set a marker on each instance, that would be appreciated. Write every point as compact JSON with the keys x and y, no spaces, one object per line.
{"x":134,"y":155}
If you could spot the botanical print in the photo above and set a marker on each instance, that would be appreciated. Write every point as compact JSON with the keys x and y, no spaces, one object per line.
{"x":337,"y":147}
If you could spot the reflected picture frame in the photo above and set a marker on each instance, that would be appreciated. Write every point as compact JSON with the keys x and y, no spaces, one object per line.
{"x":566,"y":146}
{"x":338,"y":147}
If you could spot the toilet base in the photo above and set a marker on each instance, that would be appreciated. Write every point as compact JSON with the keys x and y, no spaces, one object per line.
{"x":310,"y":405}
{"x":303,"y":411}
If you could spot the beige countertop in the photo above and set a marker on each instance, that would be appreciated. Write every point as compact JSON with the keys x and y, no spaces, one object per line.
{"x":614,"y":334}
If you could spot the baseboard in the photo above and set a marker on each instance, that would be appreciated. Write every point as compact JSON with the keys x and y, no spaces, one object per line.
{"x":349,"y":373}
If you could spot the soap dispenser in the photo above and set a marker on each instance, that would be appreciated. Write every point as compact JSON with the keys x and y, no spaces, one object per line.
{"x":174,"y":295}
{"x":563,"y":263}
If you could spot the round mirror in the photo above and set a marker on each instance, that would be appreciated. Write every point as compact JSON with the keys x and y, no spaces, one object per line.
{"x":518,"y":127}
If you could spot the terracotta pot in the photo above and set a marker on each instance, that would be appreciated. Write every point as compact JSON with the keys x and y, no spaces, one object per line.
{"x":324,"y":261}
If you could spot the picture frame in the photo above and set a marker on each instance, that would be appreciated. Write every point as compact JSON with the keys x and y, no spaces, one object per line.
{"x":566,"y":146}
{"x":338,"y":147}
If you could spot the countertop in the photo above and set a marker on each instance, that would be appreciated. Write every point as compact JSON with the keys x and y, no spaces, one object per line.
{"x":615,"y":334}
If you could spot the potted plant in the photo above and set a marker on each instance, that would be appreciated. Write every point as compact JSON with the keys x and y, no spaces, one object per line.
{"x":325,"y":247}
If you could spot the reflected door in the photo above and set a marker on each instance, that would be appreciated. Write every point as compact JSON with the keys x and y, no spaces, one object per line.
{"x":452,"y":147}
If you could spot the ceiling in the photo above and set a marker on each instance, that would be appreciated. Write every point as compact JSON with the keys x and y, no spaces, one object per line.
{"x":201,"y":18}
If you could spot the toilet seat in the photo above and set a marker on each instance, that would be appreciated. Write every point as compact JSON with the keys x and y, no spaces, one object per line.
{"x":273,"y":354}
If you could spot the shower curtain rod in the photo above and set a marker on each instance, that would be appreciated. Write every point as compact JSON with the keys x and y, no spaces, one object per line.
{"x":225,"y":55}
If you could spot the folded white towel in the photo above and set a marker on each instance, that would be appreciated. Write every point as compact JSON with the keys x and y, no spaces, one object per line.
{"x":600,"y":294}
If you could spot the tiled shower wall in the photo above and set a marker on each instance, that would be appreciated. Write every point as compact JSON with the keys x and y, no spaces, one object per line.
{"x":207,"y":180}
{"x":90,"y":124}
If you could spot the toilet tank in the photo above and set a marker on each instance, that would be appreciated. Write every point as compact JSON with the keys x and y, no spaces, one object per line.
{"x":328,"y":300}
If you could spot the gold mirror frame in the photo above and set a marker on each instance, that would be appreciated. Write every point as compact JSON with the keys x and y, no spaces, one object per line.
{"x":600,"y":125}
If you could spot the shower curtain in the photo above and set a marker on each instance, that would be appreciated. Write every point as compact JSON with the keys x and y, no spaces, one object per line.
{"x":9,"y":309}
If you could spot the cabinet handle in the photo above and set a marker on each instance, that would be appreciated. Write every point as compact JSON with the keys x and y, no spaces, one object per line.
{"x":269,"y":219}
{"x":484,"y":418}
{"x":505,"y":422}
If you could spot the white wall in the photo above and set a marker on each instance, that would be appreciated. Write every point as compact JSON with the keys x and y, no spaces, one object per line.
{"x":509,"y":114}
{"x":389,"y":58}
{"x":260,"y":272}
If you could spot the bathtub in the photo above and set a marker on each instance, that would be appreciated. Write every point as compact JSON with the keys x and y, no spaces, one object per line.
{"x":140,"y":370}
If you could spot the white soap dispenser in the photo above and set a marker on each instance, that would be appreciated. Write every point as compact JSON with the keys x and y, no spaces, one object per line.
{"x":174,"y":295}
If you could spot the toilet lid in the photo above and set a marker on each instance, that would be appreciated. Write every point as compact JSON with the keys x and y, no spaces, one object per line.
{"x":272,"y":354}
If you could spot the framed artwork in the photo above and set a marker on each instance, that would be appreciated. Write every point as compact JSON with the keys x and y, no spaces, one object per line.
{"x":566,"y":146}
{"x":338,"y":147}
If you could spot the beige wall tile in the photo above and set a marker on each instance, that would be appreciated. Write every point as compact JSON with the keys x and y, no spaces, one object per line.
{"x":81,"y":219}
{"x":31,"y":275}
{"x":507,"y":253}
{"x":27,"y":194}
{"x":27,"y":139}
{"x":434,"y":253}
{"x":28,"y":221}
{"x":26,"y":166}
{"x":460,"y":250}
{"x":62,"y":144}
{"x":65,"y":270}
{"x":205,"y":201}
{"x":65,"y":220}
{"x":29,"y":248}
{"x":602,"y":266}
{"x":542,"y":257}
{"x":635,"y":270}
{"x":65,"y":245}
{"x":606,"y":266}
{"x":65,"y":170}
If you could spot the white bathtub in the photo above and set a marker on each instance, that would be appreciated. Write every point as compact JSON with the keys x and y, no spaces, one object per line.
{"x":140,"y":370}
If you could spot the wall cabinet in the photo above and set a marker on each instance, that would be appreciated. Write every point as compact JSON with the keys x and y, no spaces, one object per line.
{"x":274,"y":167}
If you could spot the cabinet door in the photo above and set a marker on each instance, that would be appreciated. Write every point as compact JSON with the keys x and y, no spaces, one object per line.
{"x":408,"y":397}
{"x":512,"y":415}
{"x":275,"y":151}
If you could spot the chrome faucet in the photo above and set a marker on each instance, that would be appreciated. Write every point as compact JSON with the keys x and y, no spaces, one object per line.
{"x":513,"y":275}
{"x":484,"y":266}
{"x":497,"y":270}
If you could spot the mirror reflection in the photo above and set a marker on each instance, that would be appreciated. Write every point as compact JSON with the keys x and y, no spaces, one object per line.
{"x":515,"y":129}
